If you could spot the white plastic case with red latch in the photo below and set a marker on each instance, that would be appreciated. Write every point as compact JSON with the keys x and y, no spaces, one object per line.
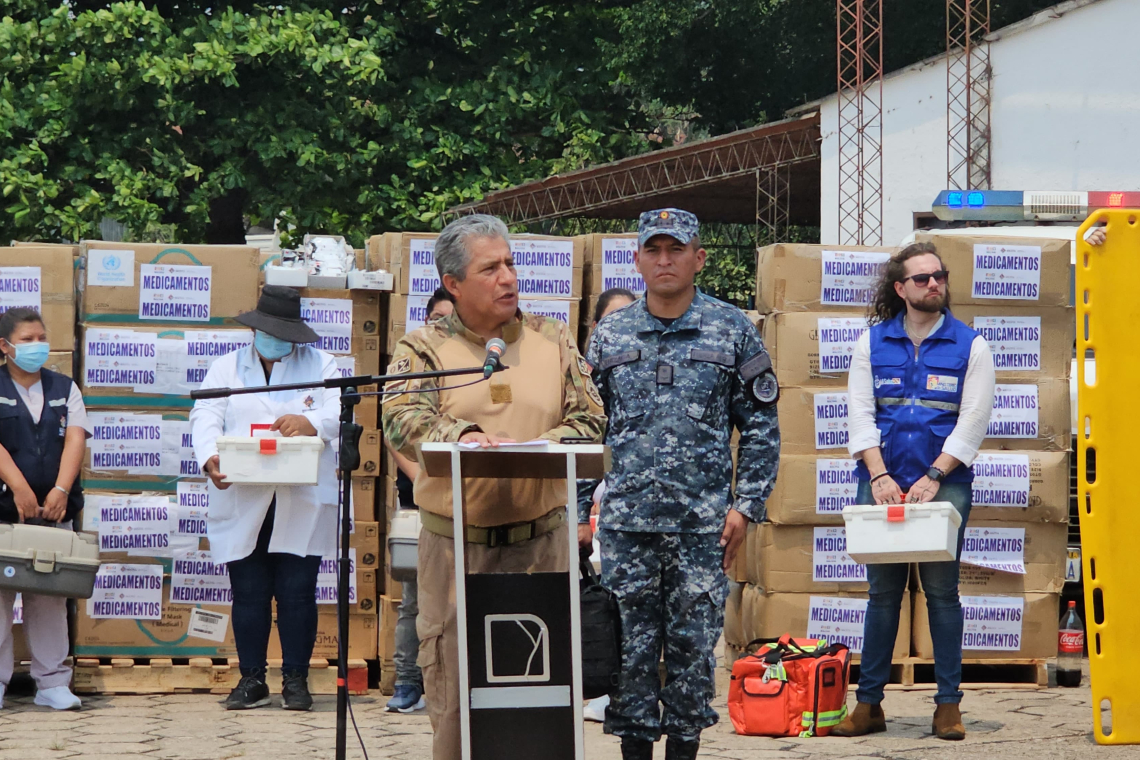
{"x":883,"y":533}
{"x":272,"y":461}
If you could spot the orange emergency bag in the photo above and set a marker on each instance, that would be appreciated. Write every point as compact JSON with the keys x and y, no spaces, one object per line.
{"x":789,"y":687}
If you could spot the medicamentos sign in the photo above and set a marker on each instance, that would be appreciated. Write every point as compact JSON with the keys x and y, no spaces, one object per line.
{"x":849,"y":278}
{"x":837,"y":620}
{"x":1015,"y":342}
{"x":835,"y":485}
{"x":831,"y":424}
{"x":837,"y":339}
{"x":21,"y":287}
{"x":1015,"y":412}
{"x":830,"y":561}
{"x":618,"y":268}
{"x":331,"y":319}
{"x":1007,"y":272}
{"x":174,"y":292}
{"x":1001,"y":480}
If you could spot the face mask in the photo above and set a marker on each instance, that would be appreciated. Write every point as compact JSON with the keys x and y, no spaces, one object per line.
{"x":30,"y":357}
{"x":269,"y":347}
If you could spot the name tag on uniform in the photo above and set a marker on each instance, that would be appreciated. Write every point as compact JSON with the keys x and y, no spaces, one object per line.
{"x":664,"y":374}
{"x":942,"y":383}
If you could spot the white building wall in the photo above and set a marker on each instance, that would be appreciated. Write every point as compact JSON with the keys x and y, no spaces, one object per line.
{"x":1065,"y":116}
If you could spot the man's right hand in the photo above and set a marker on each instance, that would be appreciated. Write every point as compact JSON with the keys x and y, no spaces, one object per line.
{"x":485,"y":440}
{"x":216,"y":477}
{"x":26,"y":504}
{"x":886,"y":491}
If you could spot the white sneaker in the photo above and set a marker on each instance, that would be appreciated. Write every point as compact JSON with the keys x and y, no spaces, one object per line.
{"x":595,"y":709}
{"x":58,"y":698}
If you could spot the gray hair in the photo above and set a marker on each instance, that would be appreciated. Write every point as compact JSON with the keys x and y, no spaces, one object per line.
{"x":451,"y":254}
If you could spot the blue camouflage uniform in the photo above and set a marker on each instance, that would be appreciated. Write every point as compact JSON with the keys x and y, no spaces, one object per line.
{"x":673,"y":395}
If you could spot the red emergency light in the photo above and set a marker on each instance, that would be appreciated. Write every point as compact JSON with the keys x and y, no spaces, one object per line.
{"x":1114,"y":199}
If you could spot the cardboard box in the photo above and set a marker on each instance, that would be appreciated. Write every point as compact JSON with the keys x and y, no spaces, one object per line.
{"x":794,"y":497}
{"x":233,"y":280}
{"x":1036,"y":638}
{"x":386,"y":640}
{"x":62,"y":362}
{"x":54,"y":293}
{"x":1056,"y":339}
{"x":797,"y":409}
{"x":364,"y":498}
{"x":789,"y":277}
{"x":1053,"y":429}
{"x":781,"y":559}
{"x":608,"y":263}
{"x":118,"y":478}
{"x":1044,"y":553}
{"x":371,"y":453}
{"x":368,"y":308}
{"x":1005,"y":270}
{"x":1049,"y":494}
{"x":361,"y":637}
{"x":792,"y":340}
{"x":734,"y":615}
{"x":766,"y":616}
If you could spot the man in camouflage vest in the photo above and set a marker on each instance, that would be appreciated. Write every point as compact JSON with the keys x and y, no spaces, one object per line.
{"x":513,"y":526}
{"x":677,"y":371}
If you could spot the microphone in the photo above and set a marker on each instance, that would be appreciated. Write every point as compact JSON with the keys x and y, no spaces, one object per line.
{"x":495,"y":350}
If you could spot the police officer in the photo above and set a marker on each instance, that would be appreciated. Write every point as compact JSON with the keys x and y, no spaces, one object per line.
{"x":677,"y":371}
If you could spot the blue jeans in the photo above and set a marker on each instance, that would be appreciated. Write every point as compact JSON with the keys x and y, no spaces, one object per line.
{"x":940,"y":584}
{"x":256,"y":580}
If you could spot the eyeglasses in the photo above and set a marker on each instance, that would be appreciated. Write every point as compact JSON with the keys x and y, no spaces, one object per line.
{"x":922,"y":280}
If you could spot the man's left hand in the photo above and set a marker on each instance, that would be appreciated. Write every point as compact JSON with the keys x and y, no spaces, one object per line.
{"x":290,"y":425}
{"x":735,"y":528}
{"x":585,"y":535}
{"x":55,"y":505}
{"x":923,"y":491}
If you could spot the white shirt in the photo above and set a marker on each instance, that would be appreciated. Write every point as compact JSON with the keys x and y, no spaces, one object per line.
{"x":973,"y":413}
{"x":33,"y":398}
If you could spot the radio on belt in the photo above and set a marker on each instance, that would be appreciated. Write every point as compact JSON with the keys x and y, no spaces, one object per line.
{"x":290,"y":461}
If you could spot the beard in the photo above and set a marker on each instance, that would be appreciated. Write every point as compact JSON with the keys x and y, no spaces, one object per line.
{"x":930,"y":305}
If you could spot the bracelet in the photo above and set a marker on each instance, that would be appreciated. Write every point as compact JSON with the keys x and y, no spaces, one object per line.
{"x":64,"y":490}
{"x":880,"y":476}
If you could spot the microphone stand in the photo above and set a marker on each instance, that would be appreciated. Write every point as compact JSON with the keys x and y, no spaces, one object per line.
{"x":348,"y":463}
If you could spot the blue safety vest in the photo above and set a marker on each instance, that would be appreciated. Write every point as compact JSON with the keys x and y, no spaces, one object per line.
{"x":917,"y":398}
{"x":36,"y":448}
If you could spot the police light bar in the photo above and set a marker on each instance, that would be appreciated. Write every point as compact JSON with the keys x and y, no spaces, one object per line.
{"x":1019,"y":206}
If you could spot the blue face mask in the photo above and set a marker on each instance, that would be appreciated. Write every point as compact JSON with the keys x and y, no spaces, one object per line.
{"x":269,"y":347}
{"x":30,"y":357}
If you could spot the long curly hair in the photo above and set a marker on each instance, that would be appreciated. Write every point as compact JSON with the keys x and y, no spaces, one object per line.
{"x":887,"y":303}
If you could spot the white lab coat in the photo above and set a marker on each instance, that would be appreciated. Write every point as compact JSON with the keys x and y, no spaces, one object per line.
{"x":306,"y":516}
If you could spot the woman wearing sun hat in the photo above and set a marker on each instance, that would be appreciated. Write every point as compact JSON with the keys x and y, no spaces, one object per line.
{"x":271,"y":538}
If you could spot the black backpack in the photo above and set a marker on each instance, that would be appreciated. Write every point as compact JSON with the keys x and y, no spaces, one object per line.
{"x":601,"y":632}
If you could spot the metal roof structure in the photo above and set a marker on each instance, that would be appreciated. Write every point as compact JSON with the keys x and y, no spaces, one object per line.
{"x":766,"y":175}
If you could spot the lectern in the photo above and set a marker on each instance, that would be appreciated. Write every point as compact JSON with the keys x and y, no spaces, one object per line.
{"x":520,"y":648}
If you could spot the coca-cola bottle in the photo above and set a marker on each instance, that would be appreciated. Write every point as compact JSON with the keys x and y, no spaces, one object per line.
{"x":1070,"y":648}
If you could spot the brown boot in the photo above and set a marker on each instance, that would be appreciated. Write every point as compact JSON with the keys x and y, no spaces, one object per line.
{"x":948,"y":723}
{"x":866,"y":719}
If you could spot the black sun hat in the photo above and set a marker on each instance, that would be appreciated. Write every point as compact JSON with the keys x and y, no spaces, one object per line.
{"x":279,"y":314}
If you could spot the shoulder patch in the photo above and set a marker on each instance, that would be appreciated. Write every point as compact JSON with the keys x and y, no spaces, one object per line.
{"x":755,"y":365}
{"x":592,"y":390}
{"x":584,"y":366}
{"x":401,"y":366}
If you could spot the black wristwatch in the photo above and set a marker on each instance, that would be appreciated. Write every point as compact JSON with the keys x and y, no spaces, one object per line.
{"x":935,"y":474}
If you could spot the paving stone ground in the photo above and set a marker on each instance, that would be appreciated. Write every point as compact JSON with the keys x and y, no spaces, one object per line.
{"x":1042,"y":725}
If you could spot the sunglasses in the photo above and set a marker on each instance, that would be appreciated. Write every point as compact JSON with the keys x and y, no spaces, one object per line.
{"x":922,"y":280}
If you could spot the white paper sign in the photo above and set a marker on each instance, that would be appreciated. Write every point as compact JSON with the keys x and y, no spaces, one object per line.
{"x":837,"y":339}
{"x":331,"y":319}
{"x":1001,"y":480}
{"x":138,"y":525}
{"x":1004,"y":271}
{"x":831,"y":426}
{"x":837,"y":620}
{"x":119,"y":358}
{"x":126,"y":441}
{"x":178,"y":459}
{"x":174,"y":291}
{"x":110,"y":269}
{"x":196,"y":579}
{"x":423,"y":277}
{"x":559,"y":310}
{"x":345,"y":365}
{"x":830,"y":561}
{"x":193,"y":508}
{"x":416,"y":316}
{"x":850,"y":277}
{"x":327,"y":579}
{"x":996,"y":548}
{"x":21,"y":286}
{"x":992,"y":622}
{"x":1015,"y":342}
{"x":1015,"y":412}
{"x":127,"y":592}
{"x":835,"y":485}
{"x":206,"y":624}
{"x":168,"y":368}
{"x":618,"y":269}
{"x":545,"y":267}
{"x":203,"y":347}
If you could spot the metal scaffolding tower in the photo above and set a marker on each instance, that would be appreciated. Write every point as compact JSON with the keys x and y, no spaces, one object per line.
{"x":968,"y":95}
{"x":859,"y":52}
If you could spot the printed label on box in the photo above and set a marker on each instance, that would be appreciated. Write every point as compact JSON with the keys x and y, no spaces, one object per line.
{"x":837,"y":620}
{"x":126,"y":441}
{"x":168,"y":372}
{"x":1015,"y":342}
{"x":197,"y":579}
{"x":992,"y":622}
{"x":835,"y":485}
{"x":193,"y":507}
{"x":1007,"y":271}
{"x":141,"y":525}
{"x":174,"y":291}
{"x":830,"y":561}
{"x":618,"y":268}
{"x":1015,"y":412}
{"x":21,"y":287}
{"x":545,"y":267}
{"x":110,"y":269}
{"x":327,"y":579}
{"x":178,"y":459}
{"x":850,"y":277}
{"x":831,"y":426}
{"x":559,"y":310}
{"x":996,"y":548}
{"x":18,"y":610}
{"x":205,"y":624}
{"x":837,"y":339}
{"x":1001,"y":480}
{"x":331,"y":319}
{"x":119,"y":358}
{"x":417,"y":312}
{"x":345,"y":365}
{"x":423,"y":277}
{"x":203,"y":347}
{"x":127,"y":591}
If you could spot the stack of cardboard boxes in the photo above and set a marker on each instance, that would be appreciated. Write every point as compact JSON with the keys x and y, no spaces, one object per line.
{"x":608,"y":264}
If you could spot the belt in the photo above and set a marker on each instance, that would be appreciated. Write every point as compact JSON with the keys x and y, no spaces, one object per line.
{"x":895,"y":401}
{"x":499,"y":535}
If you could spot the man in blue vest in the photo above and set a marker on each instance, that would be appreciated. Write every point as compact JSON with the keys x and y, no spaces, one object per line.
{"x":921,"y":389}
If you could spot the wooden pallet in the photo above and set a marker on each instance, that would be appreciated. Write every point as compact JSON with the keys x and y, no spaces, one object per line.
{"x":915,"y":674}
{"x":115,"y":675}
